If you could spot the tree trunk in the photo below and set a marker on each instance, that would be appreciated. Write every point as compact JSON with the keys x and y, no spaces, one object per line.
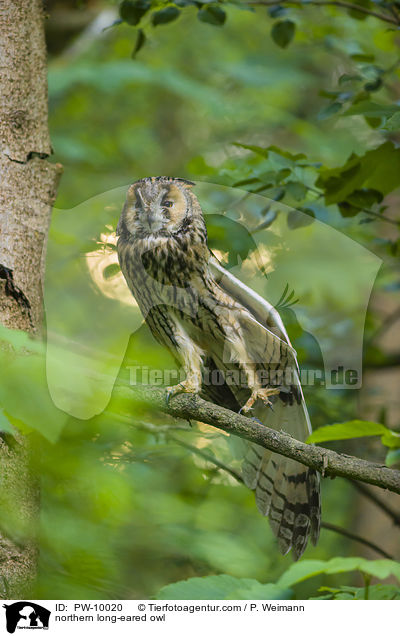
{"x":28,"y":184}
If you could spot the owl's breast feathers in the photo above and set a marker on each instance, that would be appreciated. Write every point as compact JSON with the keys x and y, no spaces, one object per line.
{"x":171,"y":271}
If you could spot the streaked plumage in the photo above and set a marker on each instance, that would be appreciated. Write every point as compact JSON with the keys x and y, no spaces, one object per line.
{"x":208,"y":319}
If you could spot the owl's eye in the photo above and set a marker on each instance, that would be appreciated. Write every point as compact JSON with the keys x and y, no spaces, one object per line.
{"x":168,"y":204}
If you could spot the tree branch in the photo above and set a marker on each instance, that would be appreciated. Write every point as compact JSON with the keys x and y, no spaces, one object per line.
{"x":165,"y":430}
{"x":356,"y":537}
{"x":393,"y":514}
{"x":327,"y":462}
{"x":323,"y":3}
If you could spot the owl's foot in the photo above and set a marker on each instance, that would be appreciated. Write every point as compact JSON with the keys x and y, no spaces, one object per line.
{"x":259,"y":394}
{"x":187,"y":386}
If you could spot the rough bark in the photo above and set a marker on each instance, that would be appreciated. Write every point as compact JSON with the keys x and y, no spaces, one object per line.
{"x":327,"y":462}
{"x":28,"y":184}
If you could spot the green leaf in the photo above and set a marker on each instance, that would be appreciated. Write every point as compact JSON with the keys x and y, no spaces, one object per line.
{"x":371,"y":87}
{"x":257,"y":149}
{"x":347,"y":210}
{"x":353,"y":429}
{"x":296,"y":189}
{"x":359,"y":200}
{"x":346,"y":430}
{"x":283,"y":32}
{"x":329,"y":111}
{"x":300,"y":218}
{"x":366,"y":197}
{"x":222,"y":587}
{"x":305,"y":569}
{"x":378,"y":169}
{"x":212,"y":14}
{"x":393,"y":458}
{"x":393,"y":123}
{"x":343,"y":79}
{"x":132,"y":11}
{"x":111,"y":270}
{"x":140,"y":41}
{"x":264,"y":152}
{"x":391,"y":439}
{"x":169,"y":14}
{"x":281,"y":175}
{"x":243,"y":182}
{"x":375,"y":592}
{"x":362,"y":57}
{"x":286,"y":153}
{"x":268,"y":217}
{"x":372,"y":110}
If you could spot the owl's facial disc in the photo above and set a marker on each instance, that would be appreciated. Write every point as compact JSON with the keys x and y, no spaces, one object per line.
{"x":155,"y":209}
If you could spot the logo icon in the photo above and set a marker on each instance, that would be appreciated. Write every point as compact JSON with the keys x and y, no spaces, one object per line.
{"x":26,"y":615}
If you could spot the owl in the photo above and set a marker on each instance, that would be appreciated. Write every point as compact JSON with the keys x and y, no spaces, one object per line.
{"x":216,"y":327}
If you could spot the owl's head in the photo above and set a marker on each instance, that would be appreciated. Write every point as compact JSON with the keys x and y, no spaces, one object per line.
{"x":158,"y":207}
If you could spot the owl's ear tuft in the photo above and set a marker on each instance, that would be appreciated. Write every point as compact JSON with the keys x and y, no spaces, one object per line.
{"x":185,"y":182}
{"x":131,"y":195}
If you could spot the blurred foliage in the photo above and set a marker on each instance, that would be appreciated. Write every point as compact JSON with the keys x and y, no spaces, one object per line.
{"x":228,"y":587}
{"x":293,"y":113}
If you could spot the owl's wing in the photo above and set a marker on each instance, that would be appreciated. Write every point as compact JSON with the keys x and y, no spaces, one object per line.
{"x":261,"y":309}
{"x":286,"y":491}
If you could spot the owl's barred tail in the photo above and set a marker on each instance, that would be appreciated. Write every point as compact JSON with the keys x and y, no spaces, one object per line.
{"x":288,"y":493}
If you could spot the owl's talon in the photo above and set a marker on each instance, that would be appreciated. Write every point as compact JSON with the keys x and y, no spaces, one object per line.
{"x":173,"y":390}
{"x":182,"y":387}
{"x":259,"y":394}
{"x":242,"y":410}
{"x":168,"y":396}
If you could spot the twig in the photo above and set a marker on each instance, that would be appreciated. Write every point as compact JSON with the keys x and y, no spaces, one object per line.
{"x":380,"y":217}
{"x":189,"y":406}
{"x":208,"y":458}
{"x":393,"y":514}
{"x":376,"y":215}
{"x":166,"y":430}
{"x":324,"y":3}
{"x":355,"y":537}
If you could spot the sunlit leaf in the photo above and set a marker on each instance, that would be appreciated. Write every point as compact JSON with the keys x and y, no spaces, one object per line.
{"x":346,"y":430}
